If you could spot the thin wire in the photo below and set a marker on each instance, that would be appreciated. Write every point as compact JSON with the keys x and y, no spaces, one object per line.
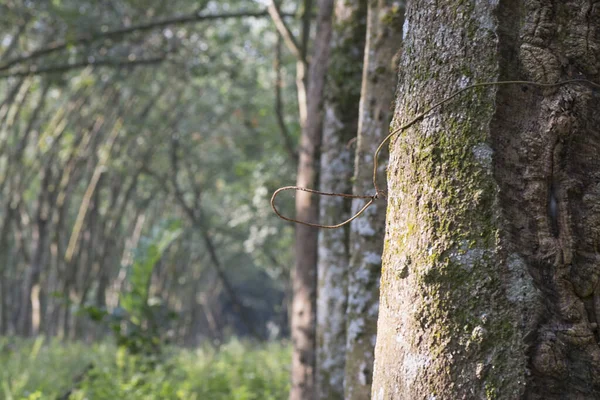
{"x":453,"y":95}
{"x":381,"y":193}
{"x":297,"y":188}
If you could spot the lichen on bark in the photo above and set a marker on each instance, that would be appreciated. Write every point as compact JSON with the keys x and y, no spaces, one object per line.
{"x":491,"y":262}
{"x":548,"y":170}
{"x":446,"y":329}
{"x":339,"y":127}
{"x":384,"y":35}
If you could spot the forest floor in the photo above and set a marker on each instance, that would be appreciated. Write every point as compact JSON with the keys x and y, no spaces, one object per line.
{"x":38,"y":369}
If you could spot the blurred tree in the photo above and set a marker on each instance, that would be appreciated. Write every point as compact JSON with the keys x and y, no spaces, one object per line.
{"x":384,"y":37}
{"x":340,"y":123}
{"x":304,"y":274}
{"x":92,"y":93}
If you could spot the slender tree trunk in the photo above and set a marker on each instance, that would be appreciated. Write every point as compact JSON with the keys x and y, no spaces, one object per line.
{"x":39,"y":251}
{"x":384,"y":36}
{"x":304,"y":274}
{"x":340,"y":123}
{"x":9,"y":214}
{"x":302,"y":63}
{"x":491,"y":262}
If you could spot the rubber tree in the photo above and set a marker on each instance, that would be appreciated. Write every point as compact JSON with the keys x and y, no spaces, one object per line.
{"x":304,"y":273}
{"x":491,"y":262}
{"x":340,"y":123}
{"x":384,"y":38}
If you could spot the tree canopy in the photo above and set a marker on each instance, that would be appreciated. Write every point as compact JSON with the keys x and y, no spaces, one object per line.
{"x":119,"y":117}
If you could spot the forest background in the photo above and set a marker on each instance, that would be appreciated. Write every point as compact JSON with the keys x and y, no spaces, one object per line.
{"x":140,"y":142}
{"x":139,"y":149}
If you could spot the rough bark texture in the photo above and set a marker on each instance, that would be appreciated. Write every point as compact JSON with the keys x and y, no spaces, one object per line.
{"x":547,"y":165}
{"x":491,"y":261}
{"x":342,"y":96}
{"x":304,"y":274}
{"x":384,"y":35}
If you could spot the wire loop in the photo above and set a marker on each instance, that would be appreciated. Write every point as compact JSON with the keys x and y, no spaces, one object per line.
{"x":348,"y":196}
{"x":380,"y":193}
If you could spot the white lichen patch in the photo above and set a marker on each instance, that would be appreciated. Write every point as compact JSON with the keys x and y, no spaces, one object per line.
{"x":467,"y":257}
{"x":477,"y":336}
{"x":363,"y":227}
{"x":372,"y":258}
{"x":464,"y":82}
{"x":520,"y":288}
{"x":331,"y":123}
{"x":362,"y":275}
{"x":355,"y":329}
{"x":362,"y":376}
{"x":363,"y":224}
{"x":484,"y":17}
{"x":404,"y":32}
{"x":359,"y":299}
{"x":373,"y":310}
{"x":412,"y":365}
{"x":483,"y":155}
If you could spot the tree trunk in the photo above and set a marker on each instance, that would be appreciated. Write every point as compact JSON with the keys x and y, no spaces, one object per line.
{"x":491,"y":261}
{"x":384,"y":36}
{"x":39,"y":251}
{"x":9,"y":214}
{"x":304,"y":274}
{"x":340,"y":124}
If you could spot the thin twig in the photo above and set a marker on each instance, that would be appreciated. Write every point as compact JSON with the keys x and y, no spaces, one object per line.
{"x":284,"y":31}
{"x":85,"y":202}
{"x":122,"y":31}
{"x":194,"y":212}
{"x":452,"y":96}
{"x":287,"y":140}
{"x":34,"y":70}
{"x":14,"y":41}
{"x":77,"y":381}
{"x":348,"y":196}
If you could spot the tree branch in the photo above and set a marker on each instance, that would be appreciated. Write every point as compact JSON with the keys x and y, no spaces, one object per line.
{"x":34,"y":70}
{"x":285,"y":31}
{"x":89,"y":192}
{"x":15,"y":39}
{"x":196,"y":218}
{"x":122,"y":31}
{"x":300,"y":51}
{"x":287,"y":140}
{"x":306,"y":22}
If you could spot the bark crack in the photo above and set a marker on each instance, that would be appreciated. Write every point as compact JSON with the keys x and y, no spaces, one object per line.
{"x":548,"y":176}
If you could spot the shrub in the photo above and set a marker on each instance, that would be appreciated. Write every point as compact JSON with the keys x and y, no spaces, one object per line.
{"x":32,"y":369}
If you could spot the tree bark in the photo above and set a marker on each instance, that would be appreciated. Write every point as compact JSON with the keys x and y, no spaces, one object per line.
{"x":384,"y":37}
{"x":491,"y":261}
{"x":5,"y":253}
{"x":342,"y":96}
{"x":304,"y":274}
{"x":39,"y":251}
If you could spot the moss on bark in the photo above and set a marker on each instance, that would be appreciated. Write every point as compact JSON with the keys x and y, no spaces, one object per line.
{"x":490,"y":229}
{"x":339,"y":127}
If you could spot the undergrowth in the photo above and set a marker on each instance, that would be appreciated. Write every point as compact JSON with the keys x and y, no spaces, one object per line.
{"x":37,"y":369}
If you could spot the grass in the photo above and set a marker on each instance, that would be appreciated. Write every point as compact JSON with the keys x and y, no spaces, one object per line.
{"x":38,"y":369}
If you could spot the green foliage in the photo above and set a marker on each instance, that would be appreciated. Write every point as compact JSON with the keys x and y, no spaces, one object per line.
{"x":150,"y":251}
{"x":236,"y":371}
{"x":139,"y":315}
{"x":215,"y":96}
